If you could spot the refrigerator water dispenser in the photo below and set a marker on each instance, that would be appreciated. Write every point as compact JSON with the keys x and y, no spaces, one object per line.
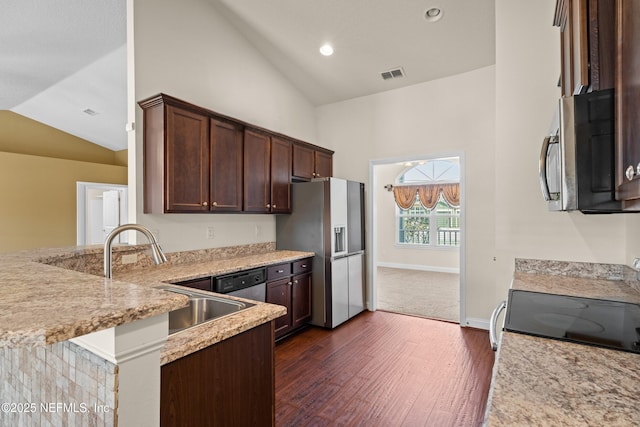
{"x":339,"y":241}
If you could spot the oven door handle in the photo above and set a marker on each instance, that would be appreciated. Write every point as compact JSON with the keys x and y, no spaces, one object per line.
{"x":542,"y":166}
{"x":493,"y":324}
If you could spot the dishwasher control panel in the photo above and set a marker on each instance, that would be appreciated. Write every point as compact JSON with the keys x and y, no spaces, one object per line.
{"x":240,"y":280}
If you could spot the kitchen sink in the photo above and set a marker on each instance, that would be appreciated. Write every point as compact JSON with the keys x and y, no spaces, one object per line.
{"x":202,"y":308}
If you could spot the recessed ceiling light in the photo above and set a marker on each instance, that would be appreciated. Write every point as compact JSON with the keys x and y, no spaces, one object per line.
{"x":326,"y":49}
{"x":434,"y":14}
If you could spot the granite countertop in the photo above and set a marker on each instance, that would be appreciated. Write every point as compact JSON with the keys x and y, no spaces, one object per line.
{"x":193,"y":339}
{"x":43,"y":304}
{"x":540,"y":381}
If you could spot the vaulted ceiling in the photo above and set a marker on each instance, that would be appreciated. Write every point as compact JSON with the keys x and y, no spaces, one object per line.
{"x":64,"y":61}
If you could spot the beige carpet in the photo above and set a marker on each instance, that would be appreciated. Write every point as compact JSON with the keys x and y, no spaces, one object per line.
{"x":420,"y":293}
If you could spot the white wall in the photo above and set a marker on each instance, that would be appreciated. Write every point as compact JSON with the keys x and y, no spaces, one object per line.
{"x":188,"y":50}
{"x":495,"y":115}
{"x":388,"y":252}
{"x":454,"y":114}
{"x":527,"y":71}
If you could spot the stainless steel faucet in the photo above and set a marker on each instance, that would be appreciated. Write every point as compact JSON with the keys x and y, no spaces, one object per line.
{"x":158,"y":256}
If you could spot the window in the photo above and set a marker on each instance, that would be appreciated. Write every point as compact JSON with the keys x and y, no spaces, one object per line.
{"x":433,"y":218}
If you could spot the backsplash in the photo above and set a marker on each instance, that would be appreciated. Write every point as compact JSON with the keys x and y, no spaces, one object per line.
{"x":571,"y":269}
{"x":585,"y":270}
{"x":90,"y":260}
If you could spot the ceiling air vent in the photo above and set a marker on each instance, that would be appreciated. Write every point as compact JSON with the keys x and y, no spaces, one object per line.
{"x":396,"y":73}
{"x":90,"y":112}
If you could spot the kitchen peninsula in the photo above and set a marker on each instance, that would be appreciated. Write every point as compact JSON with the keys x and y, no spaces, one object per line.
{"x":54,"y":302}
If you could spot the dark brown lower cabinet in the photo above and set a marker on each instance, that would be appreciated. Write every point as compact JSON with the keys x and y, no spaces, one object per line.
{"x":231,"y":383}
{"x":289,"y":285}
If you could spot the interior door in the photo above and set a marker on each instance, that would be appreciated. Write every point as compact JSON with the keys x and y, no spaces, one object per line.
{"x":110,"y":212}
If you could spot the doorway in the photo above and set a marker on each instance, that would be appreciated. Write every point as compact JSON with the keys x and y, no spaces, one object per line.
{"x":417,"y":237}
{"x":100,"y":208}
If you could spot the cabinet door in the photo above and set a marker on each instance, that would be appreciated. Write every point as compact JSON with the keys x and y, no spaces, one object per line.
{"x":187,"y":161}
{"x":279,"y":292}
{"x":300,"y":300}
{"x":628,"y":102}
{"x":226,"y":167}
{"x":230,"y":383}
{"x":303,"y":162}
{"x":602,"y":44}
{"x":574,"y":46}
{"x":324,"y":165}
{"x":580,"y":45}
{"x":280,"y":176}
{"x":257,"y":160}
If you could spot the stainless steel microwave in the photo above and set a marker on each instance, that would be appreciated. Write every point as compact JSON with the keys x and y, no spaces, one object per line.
{"x":577,"y":161}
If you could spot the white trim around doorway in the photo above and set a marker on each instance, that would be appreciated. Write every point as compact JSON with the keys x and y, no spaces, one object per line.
{"x":371,"y":288}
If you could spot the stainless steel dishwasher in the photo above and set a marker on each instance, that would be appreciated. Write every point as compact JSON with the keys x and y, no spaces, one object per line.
{"x":249,"y":284}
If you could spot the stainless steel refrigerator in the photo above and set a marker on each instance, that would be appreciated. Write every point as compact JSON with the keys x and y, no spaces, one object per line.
{"x":327,"y":218}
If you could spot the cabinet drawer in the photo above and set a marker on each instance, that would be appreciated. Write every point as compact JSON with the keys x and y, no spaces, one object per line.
{"x":278,"y":271}
{"x":302,"y":266}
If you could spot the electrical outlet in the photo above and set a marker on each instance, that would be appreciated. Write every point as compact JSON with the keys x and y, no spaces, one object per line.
{"x":210,"y":234}
{"x":129,"y":258}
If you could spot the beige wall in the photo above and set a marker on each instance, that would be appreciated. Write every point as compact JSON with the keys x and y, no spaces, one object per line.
{"x":388,"y":252}
{"x":188,"y":50}
{"x":38,"y":206}
{"x":19,"y":134}
{"x":495,"y":116}
{"x":450,"y":115}
{"x":527,"y":70}
{"x":39,"y":168}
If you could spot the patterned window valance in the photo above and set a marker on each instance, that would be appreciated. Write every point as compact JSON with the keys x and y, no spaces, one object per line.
{"x":428,"y":194}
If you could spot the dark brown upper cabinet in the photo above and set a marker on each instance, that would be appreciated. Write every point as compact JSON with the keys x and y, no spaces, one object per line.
{"x":196,"y":160}
{"x":310,"y":162}
{"x":267,"y":173}
{"x":226,"y":166}
{"x":176,"y":141}
{"x":628,"y":104}
{"x":587,"y":45}
{"x":192,"y":163}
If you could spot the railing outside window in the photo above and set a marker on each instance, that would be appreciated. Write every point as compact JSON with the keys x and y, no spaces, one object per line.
{"x":415,"y":225}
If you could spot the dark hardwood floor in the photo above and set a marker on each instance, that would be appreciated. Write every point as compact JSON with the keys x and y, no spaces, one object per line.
{"x":384,"y":369}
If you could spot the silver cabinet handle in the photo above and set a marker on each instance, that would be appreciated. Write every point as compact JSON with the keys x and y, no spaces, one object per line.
{"x":268,"y":205}
{"x":280,"y":271}
{"x":630,"y":172}
{"x":205,"y":204}
{"x":492,"y":324}
{"x":215,"y":203}
{"x":274,"y":206}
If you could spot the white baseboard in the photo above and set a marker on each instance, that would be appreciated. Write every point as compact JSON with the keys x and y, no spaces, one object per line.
{"x":419,"y":267}
{"x":477,"y":323}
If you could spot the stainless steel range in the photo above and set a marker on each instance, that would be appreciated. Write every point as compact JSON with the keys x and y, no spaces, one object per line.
{"x":603,"y":323}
